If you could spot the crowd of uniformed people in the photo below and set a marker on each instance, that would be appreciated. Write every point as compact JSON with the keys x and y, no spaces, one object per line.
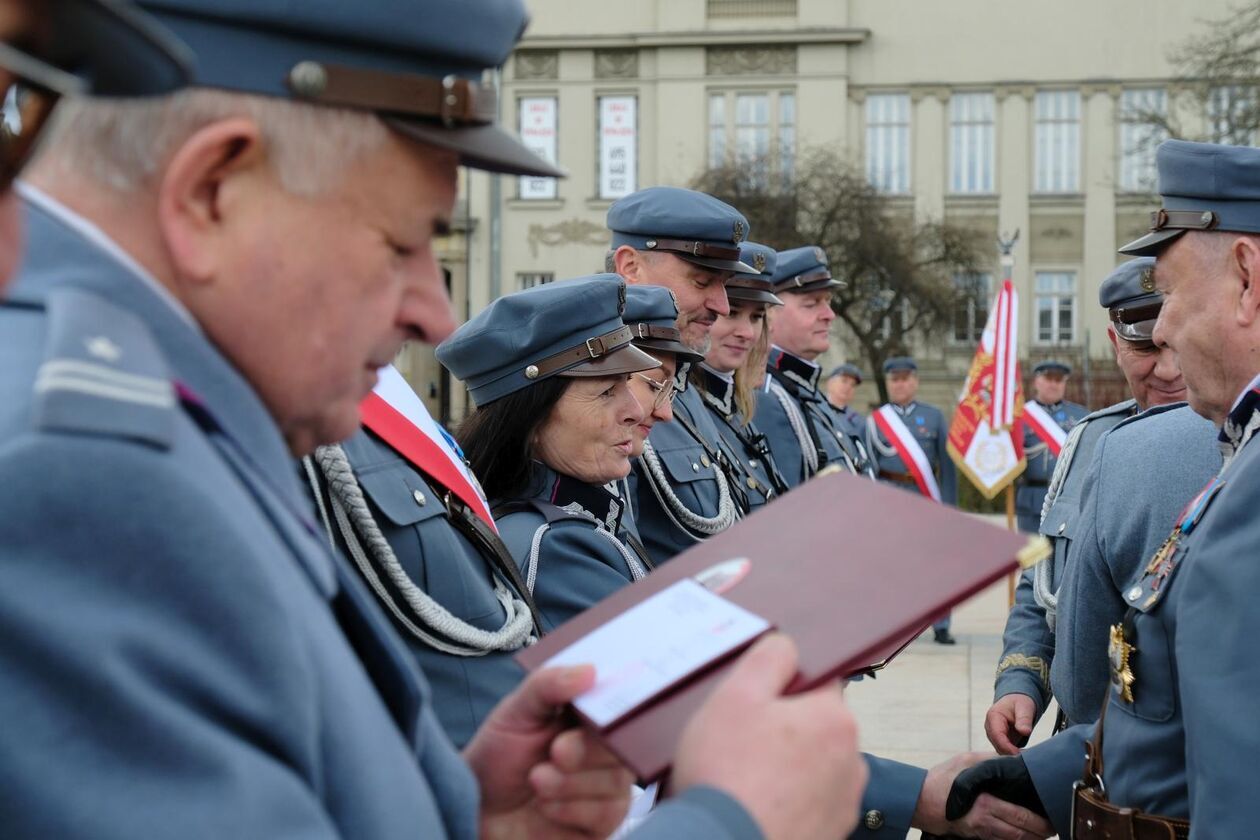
{"x":248,"y":586}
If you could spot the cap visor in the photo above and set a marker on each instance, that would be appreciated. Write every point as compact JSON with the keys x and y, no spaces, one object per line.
{"x":117,"y":49}
{"x":817,"y":285}
{"x":1152,"y":243}
{"x":485,"y":147}
{"x":681,"y":351}
{"x":754,"y":295}
{"x":628,"y":359}
{"x":716,"y":264}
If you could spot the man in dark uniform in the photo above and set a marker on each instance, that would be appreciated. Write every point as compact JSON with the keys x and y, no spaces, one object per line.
{"x":841,"y":383}
{"x":1045,"y":413}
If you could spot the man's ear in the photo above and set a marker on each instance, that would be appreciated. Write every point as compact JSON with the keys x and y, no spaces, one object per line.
{"x":195,"y":192}
{"x":629,"y":263}
{"x":1244,"y":256}
{"x":1115,"y":347}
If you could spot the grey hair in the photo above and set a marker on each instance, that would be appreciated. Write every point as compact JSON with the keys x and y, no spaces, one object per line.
{"x":122,"y":144}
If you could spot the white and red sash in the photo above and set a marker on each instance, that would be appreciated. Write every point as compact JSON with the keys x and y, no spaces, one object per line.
{"x":1044,"y":427}
{"x":397,"y":415}
{"x":908,"y":449}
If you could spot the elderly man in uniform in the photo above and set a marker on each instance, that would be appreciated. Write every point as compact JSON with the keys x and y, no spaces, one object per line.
{"x":1024,"y":676}
{"x":212,"y":282}
{"x":1172,"y":756}
{"x":841,"y":383}
{"x":906,"y":439}
{"x":1048,"y":417}
{"x":50,"y":49}
{"x":682,"y":487}
{"x":804,"y":432}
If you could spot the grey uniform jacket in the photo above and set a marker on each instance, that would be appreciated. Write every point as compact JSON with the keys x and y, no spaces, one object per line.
{"x":1028,"y":640}
{"x":929,"y":428}
{"x":434,"y":559}
{"x":680,"y":491}
{"x":1144,"y":472}
{"x":803,"y":431}
{"x":1186,"y":744}
{"x":1030,"y":493}
{"x":574,"y":543}
{"x":183,"y":655}
{"x":742,"y":443}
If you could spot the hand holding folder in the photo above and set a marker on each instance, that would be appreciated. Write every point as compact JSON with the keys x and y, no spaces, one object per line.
{"x":850,"y":592}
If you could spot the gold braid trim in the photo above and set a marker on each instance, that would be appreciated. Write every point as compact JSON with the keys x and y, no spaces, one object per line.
{"x":1029,"y":663}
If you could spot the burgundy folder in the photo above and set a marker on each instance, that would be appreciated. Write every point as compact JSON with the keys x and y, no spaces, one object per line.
{"x":853,"y":571}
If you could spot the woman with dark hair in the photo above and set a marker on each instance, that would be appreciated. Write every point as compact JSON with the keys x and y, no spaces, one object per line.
{"x":727,"y":382}
{"x":549,"y":370}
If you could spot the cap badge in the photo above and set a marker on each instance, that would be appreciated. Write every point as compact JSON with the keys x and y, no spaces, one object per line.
{"x":739,"y":232}
{"x":759,"y":262}
{"x":1148,"y":280}
{"x":820,"y":255}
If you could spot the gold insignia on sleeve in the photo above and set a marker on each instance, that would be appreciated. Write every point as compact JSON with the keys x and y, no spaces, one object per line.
{"x":1039,"y":667}
{"x":1118,"y":652}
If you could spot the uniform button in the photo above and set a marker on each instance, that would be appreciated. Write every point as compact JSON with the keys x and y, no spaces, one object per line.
{"x":873,"y":819}
{"x":1134,"y":593}
{"x":752,"y":483}
{"x":1062,"y":527}
{"x":755,"y":464}
{"x":419,"y":497}
{"x":704,"y":459}
{"x":695,"y":467}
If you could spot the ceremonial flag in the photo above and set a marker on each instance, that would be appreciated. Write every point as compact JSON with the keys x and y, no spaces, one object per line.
{"x":1043,"y":426}
{"x":397,"y":415}
{"x":986,"y":436}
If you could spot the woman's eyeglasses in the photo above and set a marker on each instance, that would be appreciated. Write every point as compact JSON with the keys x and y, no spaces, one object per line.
{"x":663,"y":391}
{"x":28,"y":91}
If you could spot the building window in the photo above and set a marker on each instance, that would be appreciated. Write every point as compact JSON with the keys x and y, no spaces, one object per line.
{"x":1056,"y":307}
{"x":1058,"y":158}
{"x":1230,"y":111}
{"x":618,"y":146}
{"x":749,"y":8}
{"x":971,"y":312}
{"x":971,"y":143}
{"x":538,"y":120}
{"x":888,"y":142}
{"x":530,"y":279}
{"x":1141,"y":111}
{"x":755,"y":129}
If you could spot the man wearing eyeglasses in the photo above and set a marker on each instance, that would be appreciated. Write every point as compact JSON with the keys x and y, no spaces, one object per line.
{"x":59,"y":47}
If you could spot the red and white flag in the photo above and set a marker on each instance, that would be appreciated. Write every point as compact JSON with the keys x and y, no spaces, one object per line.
{"x":1043,"y":426}
{"x":398,"y":416}
{"x":986,"y":435}
{"x":890,"y":424}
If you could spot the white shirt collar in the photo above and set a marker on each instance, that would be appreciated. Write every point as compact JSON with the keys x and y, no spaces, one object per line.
{"x":100,"y":239}
{"x":729,"y":378}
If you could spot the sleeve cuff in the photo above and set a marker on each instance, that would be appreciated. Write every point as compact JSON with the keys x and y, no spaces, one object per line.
{"x":892,"y":793}
{"x":700,"y":811}
{"x":1017,"y":680}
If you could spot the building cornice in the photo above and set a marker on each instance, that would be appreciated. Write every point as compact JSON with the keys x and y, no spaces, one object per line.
{"x":844,"y":35}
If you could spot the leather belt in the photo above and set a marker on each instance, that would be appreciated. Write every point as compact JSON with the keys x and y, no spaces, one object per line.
{"x":1094,"y":818}
{"x":900,"y":478}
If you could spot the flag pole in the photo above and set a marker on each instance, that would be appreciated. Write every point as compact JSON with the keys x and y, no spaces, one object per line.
{"x":1006,"y":244}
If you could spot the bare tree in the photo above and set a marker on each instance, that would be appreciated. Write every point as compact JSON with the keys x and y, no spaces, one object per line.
{"x":900,"y":274}
{"x":1213,"y":97}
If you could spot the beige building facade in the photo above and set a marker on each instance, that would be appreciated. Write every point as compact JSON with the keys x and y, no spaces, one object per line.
{"x":1002,"y":115}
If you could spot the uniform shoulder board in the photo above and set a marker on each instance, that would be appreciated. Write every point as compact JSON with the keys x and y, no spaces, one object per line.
{"x":102,"y":373}
{"x":1110,"y":411}
{"x":1151,"y":412}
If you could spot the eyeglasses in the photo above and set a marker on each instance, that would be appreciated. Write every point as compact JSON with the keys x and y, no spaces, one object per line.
{"x":28,"y":92}
{"x":664,"y":391}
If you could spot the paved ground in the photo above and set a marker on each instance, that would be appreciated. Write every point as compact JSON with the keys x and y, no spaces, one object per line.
{"x":929,"y":703}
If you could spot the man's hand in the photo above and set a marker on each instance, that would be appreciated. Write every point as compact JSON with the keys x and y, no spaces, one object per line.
{"x":989,"y":817}
{"x":539,"y":777}
{"x":1009,"y":722}
{"x":792,"y":762}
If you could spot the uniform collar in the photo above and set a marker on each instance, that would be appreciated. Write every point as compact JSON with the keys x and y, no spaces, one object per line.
{"x":1243,"y":421}
{"x":600,"y":503}
{"x":905,"y":410}
{"x":796,"y":369}
{"x":719,"y":389}
{"x":1050,"y":407}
